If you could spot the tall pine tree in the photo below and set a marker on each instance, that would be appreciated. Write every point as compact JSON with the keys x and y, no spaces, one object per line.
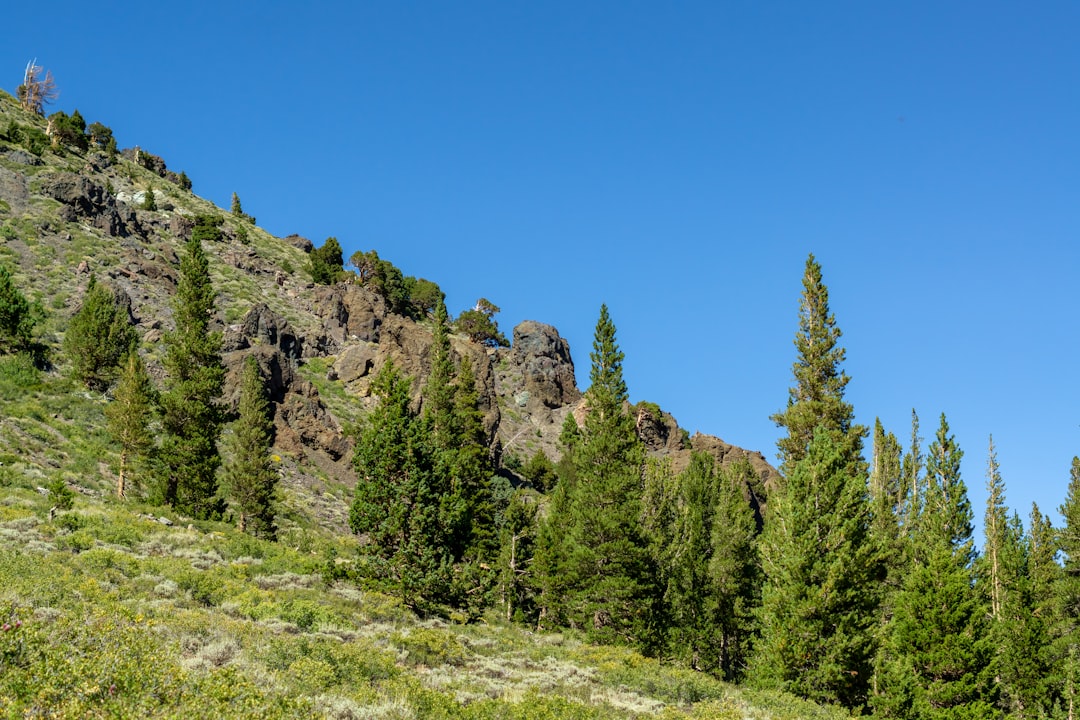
{"x":397,"y":500}
{"x":819,"y":598}
{"x":187,"y":459}
{"x":250,"y":478}
{"x":128,"y":417}
{"x":599,"y":575}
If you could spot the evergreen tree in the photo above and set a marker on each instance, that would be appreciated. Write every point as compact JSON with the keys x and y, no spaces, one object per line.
{"x":517,"y":540}
{"x":187,"y":459}
{"x":937,"y":645}
{"x":996,"y":529}
{"x":818,"y":608}
{"x":1038,"y":677}
{"x":690,"y":596}
{"x":326,"y":263}
{"x":99,"y":335}
{"x":598,"y":574}
{"x":397,"y":502}
{"x":735,"y":569}
{"x":887,"y":498}
{"x":913,"y":480}
{"x":16,"y":315}
{"x":817,"y":399}
{"x":129,"y":415}
{"x":249,"y":476}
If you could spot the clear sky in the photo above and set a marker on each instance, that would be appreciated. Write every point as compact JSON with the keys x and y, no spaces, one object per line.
{"x":677,"y":161}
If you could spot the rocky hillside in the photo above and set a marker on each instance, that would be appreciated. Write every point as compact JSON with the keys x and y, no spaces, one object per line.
{"x":66,"y":214}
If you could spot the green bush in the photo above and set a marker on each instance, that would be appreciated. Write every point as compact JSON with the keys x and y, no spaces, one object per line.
{"x":430,"y":647}
{"x":325,"y":263}
{"x":69,"y":130}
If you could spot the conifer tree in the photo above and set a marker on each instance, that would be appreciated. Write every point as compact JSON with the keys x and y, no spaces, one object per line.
{"x":735,"y":570}
{"x":187,"y":459}
{"x":99,"y":335}
{"x":1039,"y":678}
{"x":397,"y":500}
{"x":817,"y":398}
{"x":129,"y":415}
{"x":518,"y":544}
{"x":16,"y":315}
{"x":818,"y":607}
{"x":913,"y":479}
{"x":606,"y":581}
{"x":937,"y":645}
{"x":996,"y":529}
{"x":684,"y":555}
{"x":250,"y":478}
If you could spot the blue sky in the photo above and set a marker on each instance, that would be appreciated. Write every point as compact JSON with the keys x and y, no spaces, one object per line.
{"x":677,"y":161}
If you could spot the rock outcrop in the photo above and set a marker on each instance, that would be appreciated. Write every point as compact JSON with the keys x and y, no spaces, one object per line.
{"x":87,"y":200}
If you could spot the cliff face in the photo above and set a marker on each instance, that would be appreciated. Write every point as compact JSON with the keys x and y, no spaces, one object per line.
{"x":65,"y":215}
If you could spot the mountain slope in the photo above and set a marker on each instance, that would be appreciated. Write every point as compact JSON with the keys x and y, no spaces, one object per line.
{"x":120,"y":609}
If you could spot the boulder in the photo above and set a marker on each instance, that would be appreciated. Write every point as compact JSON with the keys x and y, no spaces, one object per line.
{"x":547,"y":369}
{"x":300,"y":242}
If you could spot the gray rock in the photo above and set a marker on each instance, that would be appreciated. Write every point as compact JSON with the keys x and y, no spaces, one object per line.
{"x":300,"y":242}
{"x":546,"y":366}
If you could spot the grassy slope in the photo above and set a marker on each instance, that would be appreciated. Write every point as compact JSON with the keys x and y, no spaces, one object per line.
{"x":105,"y":611}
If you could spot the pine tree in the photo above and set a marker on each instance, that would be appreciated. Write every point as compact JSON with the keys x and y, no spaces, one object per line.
{"x":598,"y":574}
{"x":817,"y":399}
{"x":129,"y":415}
{"x":1039,"y":690}
{"x":684,"y":553}
{"x":937,"y":645}
{"x":16,"y":315}
{"x":914,"y":492}
{"x":99,"y":335}
{"x":187,"y":459}
{"x":996,"y":529}
{"x":250,"y":478}
{"x":518,"y":544}
{"x":397,"y":500}
{"x":735,"y":569}
{"x":887,"y":498}
{"x":818,"y":608}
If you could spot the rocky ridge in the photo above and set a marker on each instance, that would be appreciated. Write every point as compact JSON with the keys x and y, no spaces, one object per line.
{"x":65,"y":215}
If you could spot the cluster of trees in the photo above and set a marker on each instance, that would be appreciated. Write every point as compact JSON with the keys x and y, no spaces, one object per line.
{"x":169,"y":436}
{"x":428,"y":495}
{"x":854,"y":583}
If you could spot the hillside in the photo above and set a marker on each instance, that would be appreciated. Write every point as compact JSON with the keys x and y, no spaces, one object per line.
{"x":121,"y":609}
